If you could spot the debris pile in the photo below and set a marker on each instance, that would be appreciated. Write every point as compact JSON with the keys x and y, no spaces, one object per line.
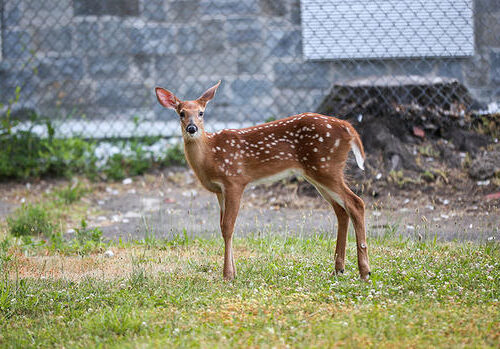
{"x":418,"y":132}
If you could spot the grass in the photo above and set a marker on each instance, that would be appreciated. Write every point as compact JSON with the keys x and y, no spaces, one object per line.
{"x":163,"y":293}
{"x":67,"y":292}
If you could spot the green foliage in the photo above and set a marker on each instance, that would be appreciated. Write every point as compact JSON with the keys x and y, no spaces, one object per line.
{"x":139,"y":159}
{"x":27,"y":155}
{"x":30,"y":220}
{"x":174,"y":156}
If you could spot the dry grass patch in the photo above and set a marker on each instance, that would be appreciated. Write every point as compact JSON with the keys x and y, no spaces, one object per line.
{"x":153,"y":261}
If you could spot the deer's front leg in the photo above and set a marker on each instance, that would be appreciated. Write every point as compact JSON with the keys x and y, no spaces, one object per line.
{"x":229,"y":202}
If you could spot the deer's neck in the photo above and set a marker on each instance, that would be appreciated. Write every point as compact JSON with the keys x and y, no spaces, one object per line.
{"x":199,"y":156}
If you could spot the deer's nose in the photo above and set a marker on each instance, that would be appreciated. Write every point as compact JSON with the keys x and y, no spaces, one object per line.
{"x":191,"y":129}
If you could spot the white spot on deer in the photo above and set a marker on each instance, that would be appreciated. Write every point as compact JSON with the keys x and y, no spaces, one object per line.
{"x":337,"y":142}
{"x":239,"y":171}
{"x":323,"y":159}
{"x":327,"y":134}
{"x":314,"y":168}
{"x":214,"y":150}
{"x":315,"y":150}
{"x":320,"y":139}
{"x":267,"y":152}
{"x":218,"y":148}
{"x":328,"y":126}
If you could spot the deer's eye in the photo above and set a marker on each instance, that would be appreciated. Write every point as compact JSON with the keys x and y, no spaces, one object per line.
{"x":201,"y":114}
{"x":182,"y":114}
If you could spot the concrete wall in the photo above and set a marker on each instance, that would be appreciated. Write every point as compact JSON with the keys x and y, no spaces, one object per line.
{"x":102,"y":59}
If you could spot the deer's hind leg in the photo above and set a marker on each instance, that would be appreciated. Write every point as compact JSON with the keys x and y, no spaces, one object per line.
{"x":342,"y":225}
{"x":354,"y":208}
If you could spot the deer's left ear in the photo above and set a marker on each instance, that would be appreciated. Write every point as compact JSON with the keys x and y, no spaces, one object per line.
{"x":209,"y":94}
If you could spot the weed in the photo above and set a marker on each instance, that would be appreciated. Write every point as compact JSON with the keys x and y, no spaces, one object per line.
{"x":5,"y":256}
{"x":398,"y":178}
{"x":428,"y":151}
{"x":30,"y":220}
{"x":428,"y":176}
{"x":86,"y":240}
{"x":71,"y":193}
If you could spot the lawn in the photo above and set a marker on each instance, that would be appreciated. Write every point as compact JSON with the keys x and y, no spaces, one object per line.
{"x":163,"y":293}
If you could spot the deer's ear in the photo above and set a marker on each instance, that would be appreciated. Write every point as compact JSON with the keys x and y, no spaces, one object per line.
{"x":167,"y":98}
{"x":209,"y":94}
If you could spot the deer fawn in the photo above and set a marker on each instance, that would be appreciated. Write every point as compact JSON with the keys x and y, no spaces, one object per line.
{"x":313,"y":145}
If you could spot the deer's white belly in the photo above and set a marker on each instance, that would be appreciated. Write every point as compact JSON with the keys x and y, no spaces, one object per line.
{"x":278,"y":176}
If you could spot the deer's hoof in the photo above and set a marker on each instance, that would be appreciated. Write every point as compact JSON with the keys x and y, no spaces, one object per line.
{"x":338,"y":272}
{"x":229,"y":277}
{"x":366,"y":276}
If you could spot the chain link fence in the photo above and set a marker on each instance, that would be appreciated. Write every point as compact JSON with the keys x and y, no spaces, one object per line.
{"x":92,"y":65}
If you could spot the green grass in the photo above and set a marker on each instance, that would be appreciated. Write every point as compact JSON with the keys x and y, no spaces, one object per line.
{"x":171,"y":293}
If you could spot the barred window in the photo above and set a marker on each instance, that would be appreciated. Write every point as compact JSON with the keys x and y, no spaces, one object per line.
{"x":335,"y":29}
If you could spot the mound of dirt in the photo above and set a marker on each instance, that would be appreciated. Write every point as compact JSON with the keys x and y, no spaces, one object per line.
{"x":418,"y":134}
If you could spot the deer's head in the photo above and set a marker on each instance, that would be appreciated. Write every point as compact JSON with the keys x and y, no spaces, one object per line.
{"x":190,"y":112}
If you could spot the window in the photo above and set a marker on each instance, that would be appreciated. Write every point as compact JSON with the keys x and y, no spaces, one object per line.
{"x":336,"y":29}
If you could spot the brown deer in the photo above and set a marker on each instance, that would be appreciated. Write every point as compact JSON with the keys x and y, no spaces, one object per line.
{"x":312,"y":145}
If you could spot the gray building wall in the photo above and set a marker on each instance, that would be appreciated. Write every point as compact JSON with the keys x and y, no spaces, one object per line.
{"x":100,"y":60}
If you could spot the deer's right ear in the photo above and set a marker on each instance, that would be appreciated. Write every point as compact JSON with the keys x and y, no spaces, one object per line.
{"x":166,"y":98}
